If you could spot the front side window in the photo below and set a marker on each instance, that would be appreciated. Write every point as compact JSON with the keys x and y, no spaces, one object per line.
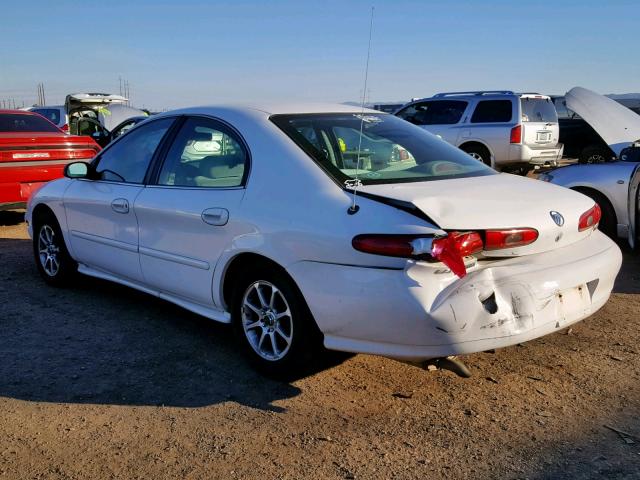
{"x":538,"y":110}
{"x":128,"y":159}
{"x":492,"y":111}
{"x":25,"y":122}
{"x":436,"y":112}
{"x":205,"y":153}
{"x":389,"y":150}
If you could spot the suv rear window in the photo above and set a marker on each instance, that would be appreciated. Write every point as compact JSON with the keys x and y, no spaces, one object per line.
{"x":440,"y":112}
{"x":25,"y":122}
{"x":492,"y":111}
{"x":538,"y":110}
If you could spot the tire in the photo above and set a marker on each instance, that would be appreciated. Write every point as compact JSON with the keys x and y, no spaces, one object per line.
{"x":478,"y":152}
{"x":608,"y":222}
{"x":52,"y":258}
{"x":277,"y":344}
{"x":595,"y":154}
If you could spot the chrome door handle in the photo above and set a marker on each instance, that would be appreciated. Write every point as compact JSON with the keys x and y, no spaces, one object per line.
{"x":215,"y":216}
{"x":120,"y":205}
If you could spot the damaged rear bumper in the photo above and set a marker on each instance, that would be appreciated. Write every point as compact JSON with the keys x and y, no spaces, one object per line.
{"x":424,"y":312}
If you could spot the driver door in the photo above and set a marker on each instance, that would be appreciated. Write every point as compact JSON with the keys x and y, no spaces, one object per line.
{"x":102,"y":224}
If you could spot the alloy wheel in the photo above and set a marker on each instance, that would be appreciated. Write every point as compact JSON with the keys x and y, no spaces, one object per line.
{"x":266,"y":320}
{"x":48,"y":251}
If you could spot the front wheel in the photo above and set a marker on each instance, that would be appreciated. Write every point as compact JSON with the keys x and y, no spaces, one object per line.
{"x":273,"y":323}
{"x":52,"y":258}
{"x":595,"y":154}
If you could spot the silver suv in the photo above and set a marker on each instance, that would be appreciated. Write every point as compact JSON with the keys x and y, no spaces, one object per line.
{"x":505,"y":130}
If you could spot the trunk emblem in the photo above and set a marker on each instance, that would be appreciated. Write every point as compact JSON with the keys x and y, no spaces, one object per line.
{"x":557,"y":218}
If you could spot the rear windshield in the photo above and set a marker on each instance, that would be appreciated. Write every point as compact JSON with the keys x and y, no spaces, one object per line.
{"x":389,"y":150}
{"x":538,"y":110}
{"x":52,"y":114}
{"x":24,"y":122}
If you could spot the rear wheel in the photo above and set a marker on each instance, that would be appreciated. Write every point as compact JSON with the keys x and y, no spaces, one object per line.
{"x":595,"y":154}
{"x":608,"y":222}
{"x":273,"y":323}
{"x":52,"y":258}
{"x":478,"y":152}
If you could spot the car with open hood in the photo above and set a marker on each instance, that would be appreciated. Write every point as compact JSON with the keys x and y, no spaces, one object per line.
{"x":97,"y":114}
{"x":309,"y":225}
{"x":34,"y":151}
{"x":613,"y":185}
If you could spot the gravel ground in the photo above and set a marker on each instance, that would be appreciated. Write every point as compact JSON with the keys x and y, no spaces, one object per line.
{"x":104,"y":382}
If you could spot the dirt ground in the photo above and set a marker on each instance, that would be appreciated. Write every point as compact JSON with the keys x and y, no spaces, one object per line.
{"x":104,"y":382}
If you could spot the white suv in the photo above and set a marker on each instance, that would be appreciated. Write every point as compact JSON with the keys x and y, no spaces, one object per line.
{"x":505,"y":130}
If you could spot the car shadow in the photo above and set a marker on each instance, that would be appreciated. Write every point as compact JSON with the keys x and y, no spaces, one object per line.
{"x":628,"y":280}
{"x":11,"y":217}
{"x":103,"y":343}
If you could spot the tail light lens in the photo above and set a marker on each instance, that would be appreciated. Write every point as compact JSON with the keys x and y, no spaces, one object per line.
{"x":65,"y":128}
{"x":516,"y":134}
{"x":590,"y":218}
{"x":450,"y":250}
{"x":515,"y":237}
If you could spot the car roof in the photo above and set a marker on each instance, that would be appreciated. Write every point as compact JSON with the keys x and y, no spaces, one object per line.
{"x":275,"y":108}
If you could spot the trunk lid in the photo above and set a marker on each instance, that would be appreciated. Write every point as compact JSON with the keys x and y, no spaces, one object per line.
{"x":494,"y":202}
{"x":39,"y":147}
{"x":616,"y":124}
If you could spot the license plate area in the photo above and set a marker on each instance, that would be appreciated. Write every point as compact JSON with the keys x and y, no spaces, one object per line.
{"x":543,"y":136}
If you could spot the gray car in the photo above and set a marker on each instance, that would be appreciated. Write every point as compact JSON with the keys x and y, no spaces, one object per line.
{"x":614,"y":185}
{"x":503,"y":129}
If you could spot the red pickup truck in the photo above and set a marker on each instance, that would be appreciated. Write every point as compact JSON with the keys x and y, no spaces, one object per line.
{"x":34,"y":151}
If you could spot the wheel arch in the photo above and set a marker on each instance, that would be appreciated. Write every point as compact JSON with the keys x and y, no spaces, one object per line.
{"x":237,"y":265}
{"x":477,"y":142}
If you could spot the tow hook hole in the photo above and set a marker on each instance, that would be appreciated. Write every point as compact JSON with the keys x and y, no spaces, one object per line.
{"x":489,"y":303}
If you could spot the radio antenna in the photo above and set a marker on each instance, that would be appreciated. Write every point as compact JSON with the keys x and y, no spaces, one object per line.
{"x":356,"y":182}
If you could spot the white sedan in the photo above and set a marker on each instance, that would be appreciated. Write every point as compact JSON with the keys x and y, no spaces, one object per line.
{"x":307,"y":225}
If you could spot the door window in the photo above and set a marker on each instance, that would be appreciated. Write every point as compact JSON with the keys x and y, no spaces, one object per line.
{"x":492,"y":111}
{"x":128,"y":159}
{"x":206,"y":154}
{"x":441,"y":112}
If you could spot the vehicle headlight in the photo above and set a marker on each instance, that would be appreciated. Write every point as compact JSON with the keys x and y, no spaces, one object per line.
{"x":545,"y":177}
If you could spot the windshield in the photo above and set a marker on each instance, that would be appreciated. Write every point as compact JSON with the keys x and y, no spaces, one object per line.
{"x":23,"y":122}
{"x":538,"y":110}
{"x":391,"y":150}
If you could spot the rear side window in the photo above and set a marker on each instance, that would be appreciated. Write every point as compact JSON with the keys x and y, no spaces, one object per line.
{"x":492,"y":111}
{"x":442,"y":112}
{"x":51,"y":114}
{"x":538,"y":110}
{"x":206,"y":154}
{"x":128,"y":159}
{"x":25,"y":122}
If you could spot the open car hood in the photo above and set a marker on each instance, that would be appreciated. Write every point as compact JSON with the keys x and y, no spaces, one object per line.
{"x":616,"y":124}
{"x":90,"y":100}
{"x":113,"y":115}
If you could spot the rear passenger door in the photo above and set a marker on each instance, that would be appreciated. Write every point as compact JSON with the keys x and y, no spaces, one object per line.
{"x":188,"y":214}
{"x":440,"y":117}
{"x":491,"y":122}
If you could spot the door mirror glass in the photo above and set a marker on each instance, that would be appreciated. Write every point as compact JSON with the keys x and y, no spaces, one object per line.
{"x":76,"y":170}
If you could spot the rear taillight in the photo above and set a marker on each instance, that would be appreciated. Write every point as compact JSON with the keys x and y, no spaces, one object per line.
{"x":450,"y":250}
{"x":516,"y":134}
{"x":514,"y":237}
{"x":65,"y":128}
{"x":590,"y":218}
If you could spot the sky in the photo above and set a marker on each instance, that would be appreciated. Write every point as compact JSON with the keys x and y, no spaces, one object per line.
{"x":183,"y":53}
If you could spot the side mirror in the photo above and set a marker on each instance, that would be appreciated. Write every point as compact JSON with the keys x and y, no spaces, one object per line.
{"x":76,"y":170}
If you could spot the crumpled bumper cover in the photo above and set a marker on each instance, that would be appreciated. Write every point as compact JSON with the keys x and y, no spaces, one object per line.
{"x":424,"y":312}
